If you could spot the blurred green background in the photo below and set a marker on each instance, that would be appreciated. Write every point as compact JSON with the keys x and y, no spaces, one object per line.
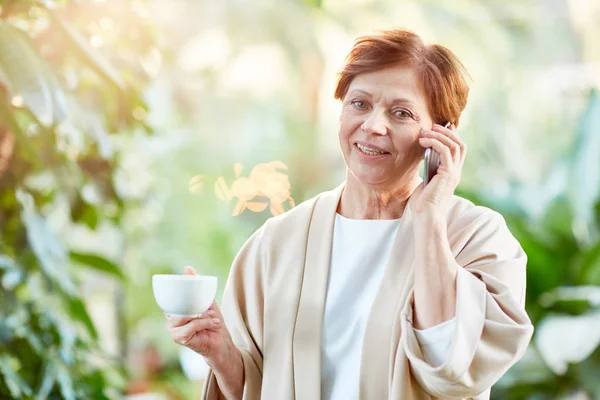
{"x":128,"y":129}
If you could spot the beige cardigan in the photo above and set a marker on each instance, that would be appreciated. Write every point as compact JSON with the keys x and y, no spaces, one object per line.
{"x":274,"y":302}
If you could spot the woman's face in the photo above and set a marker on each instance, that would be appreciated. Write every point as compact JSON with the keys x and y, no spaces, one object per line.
{"x":382,"y":114}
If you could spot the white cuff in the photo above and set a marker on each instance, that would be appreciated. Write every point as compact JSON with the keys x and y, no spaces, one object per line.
{"x":435,"y":342}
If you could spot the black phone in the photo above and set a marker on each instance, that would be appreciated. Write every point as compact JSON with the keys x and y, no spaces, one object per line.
{"x":431,"y":163}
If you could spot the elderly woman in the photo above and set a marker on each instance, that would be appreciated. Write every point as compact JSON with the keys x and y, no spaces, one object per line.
{"x":380,"y":288}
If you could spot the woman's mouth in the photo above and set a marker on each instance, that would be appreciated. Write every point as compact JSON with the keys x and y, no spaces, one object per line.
{"x":369,"y":151}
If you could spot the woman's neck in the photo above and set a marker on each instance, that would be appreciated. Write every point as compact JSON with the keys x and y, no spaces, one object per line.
{"x":362,"y":201}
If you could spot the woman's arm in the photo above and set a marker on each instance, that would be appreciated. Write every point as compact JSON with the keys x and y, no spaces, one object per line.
{"x":480,"y":280}
{"x":243,"y":313}
{"x":229,"y":372}
{"x":435,"y":275}
{"x":208,"y":336}
{"x":492,"y":329}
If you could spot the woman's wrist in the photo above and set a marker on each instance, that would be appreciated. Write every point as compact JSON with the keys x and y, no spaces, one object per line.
{"x":229,"y":371}
{"x":225,"y":359}
{"x":429,"y":215}
{"x":428,"y":226}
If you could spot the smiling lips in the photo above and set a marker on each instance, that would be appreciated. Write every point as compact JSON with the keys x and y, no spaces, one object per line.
{"x":370,"y":150}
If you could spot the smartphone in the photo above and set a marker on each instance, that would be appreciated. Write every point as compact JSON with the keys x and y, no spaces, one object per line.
{"x":432,"y":162}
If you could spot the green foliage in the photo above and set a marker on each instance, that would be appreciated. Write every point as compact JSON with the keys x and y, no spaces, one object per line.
{"x":563,"y":296}
{"x":98,"y":263}
{"x":60,"y":132}
{"x":314,"y":3}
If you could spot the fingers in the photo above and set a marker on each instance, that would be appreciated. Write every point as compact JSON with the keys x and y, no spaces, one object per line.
{"x":442,"y":149}
{"x":452,"y":146}
{"x":184,"y":334}
{"x":189,"y":271}
{"x":174,"y":322}
{"x":449,"y":132}
{"x":212,"y":312}
{"x":179,"y":321}
{"x":458,"y":149}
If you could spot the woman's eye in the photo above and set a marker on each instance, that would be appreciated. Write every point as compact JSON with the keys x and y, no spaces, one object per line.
{"x":402,"y":114}
{"x":359,"y":104}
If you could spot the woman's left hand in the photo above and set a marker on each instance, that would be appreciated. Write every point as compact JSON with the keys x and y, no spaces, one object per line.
{"x":452,"y":151}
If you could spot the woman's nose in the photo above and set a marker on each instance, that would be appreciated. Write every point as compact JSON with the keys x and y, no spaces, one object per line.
{"x":376,"y":124}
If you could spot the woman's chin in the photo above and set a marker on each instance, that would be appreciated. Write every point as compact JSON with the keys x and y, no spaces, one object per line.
{"x":372,"y":179}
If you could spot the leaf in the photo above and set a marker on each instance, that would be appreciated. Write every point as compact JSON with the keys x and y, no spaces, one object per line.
{"x":82,"y":211}
{"x":277,"y":209}
{"x":20,"y":67}
{"x":65,"y":329}
{"x":196,"y":183}
{"x":7,"y":263}
{"x":11,"y":279}
{"x":239,"y":208}
{"x":65,"y":382}
{"x":15,"y":383}
{"x":279,"y":165}
{"x":318,"y":4}
{"x":7,"y":118}
{"x":257,"y":206}
{"x":589,"y":268}
{"x":3,"y":81}
{"x":238,"y":168}
{"x":46,"y":245}
{"x":47,"y":382}
{"x":29,"y":76}
{"x":540,"y":255}
{"x":585,"y":166}
{"x":78,"y":312}
{"x":7,"y":148}
{"x":83,"y":122}
{"x":96,"y":384}
{"x":222,"y":191}
{"x":92,"y":57}
{"x":588,"y":294}
{"x":60,"y":107}
{"x":244,"y":189}
{"x":558,"y":218}
{"x":13,"y":275}
{"x":19,"y":322}
{"x":564,"y":339}
{"x":530,"y":369}
{"x":98,"y":263}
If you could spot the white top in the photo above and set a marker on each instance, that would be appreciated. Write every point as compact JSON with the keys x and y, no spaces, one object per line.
{"x":360,"y":251}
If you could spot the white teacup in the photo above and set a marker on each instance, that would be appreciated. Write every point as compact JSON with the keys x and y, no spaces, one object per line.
{"x":184,"y":295}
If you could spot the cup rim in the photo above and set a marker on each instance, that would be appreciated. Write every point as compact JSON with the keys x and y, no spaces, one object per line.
{"x":175,"y":277}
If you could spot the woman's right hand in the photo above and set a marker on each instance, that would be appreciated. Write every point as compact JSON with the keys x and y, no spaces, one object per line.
{"x":206,"y":335}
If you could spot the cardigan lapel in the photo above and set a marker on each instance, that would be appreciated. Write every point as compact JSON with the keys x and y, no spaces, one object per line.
{"x":306,"y":346}
{"x":382,"y":333}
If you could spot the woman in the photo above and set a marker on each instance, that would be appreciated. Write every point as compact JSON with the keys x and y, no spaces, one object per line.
{"x":379,"y":289}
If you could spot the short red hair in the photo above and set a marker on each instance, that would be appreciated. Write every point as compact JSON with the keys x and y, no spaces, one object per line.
{"x":443,"y":76}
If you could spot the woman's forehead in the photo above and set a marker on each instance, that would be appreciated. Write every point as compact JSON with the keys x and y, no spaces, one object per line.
{"x":393,"y":83}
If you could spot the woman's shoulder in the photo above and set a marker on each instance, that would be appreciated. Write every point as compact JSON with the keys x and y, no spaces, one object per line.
{"x":464,"y":214}
{"x":464,"y":211}
{"x":472,"y":224}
